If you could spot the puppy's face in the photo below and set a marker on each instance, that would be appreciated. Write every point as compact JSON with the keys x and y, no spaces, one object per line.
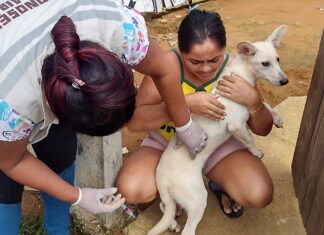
{"x":263,"y":57}
{"x":265,"y":63}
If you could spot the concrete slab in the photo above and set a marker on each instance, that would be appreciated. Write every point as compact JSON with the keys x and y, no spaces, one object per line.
{"x":281,"y":217}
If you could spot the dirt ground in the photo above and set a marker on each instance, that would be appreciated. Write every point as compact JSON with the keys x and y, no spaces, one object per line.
{"x":251,"y":20}
{"x":246,"y":20}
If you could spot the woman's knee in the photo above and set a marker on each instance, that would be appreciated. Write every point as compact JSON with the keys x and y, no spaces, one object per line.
{"x":245,"y":178}
{"x":135,"y":188}
{"x":259,"y":195}
{"x":136,"y":179}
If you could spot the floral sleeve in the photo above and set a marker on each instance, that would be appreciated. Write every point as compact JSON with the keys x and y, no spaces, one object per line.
{"x":13,"y":126}
{"x":135,"y":40}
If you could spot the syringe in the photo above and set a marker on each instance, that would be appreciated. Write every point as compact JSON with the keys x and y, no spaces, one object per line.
{"x":127,"y":210}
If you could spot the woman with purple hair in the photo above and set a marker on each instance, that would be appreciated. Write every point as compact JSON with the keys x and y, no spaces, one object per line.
{"x":66,"y":67}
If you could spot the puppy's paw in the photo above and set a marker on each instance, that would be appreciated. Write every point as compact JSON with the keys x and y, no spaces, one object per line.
{"x":175,"y":227}
{"x":277,"y":121}
{"x":256,"y":152}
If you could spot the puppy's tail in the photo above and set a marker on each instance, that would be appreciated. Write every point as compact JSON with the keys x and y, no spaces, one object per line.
{"x":168,"y":214}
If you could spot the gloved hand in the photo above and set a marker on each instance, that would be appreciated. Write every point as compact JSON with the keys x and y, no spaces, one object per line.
{"x":193,"y":136}
{"x":99,"y":200}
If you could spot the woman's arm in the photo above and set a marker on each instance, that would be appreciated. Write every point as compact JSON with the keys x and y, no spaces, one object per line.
{"x":149,"y":117}
{"x":260,"y":121}
{"x":165,"y":75}
{"x":151,"y":112}
{"x":238,"y":90}
{"x":20,"y":165}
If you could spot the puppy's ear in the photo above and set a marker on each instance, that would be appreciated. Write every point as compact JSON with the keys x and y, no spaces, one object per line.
{"x":277,"y":35}
{"x":246,"y":49}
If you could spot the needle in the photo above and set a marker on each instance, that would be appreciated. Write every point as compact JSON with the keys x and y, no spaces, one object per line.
{"x":127,"y":210}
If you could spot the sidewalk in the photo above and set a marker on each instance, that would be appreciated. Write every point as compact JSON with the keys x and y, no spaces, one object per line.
{"x":281,"y":217}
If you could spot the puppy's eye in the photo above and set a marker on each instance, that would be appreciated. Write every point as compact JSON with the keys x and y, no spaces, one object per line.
{"x":266,"y":64}
{"x":278,"y":59}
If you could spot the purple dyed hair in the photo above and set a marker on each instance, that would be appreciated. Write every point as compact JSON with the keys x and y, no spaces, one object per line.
{"x":107,"y":99}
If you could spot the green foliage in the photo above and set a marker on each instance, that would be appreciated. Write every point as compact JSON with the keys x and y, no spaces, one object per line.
{"x":32,"y":227}
{"x":36,"y":227}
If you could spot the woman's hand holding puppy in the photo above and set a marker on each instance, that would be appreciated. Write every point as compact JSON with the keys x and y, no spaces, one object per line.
{"x":240,"y":91}
{"x":206,"y":104}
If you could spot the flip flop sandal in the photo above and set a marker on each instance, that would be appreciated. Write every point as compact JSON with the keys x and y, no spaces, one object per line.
{"x":218,"y":193}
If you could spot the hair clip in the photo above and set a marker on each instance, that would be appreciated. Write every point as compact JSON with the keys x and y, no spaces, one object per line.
{"x":77,"y":83}
{"x":191,"y":8}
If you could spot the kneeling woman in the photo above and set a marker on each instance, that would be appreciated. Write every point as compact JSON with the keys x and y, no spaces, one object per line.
{"x":236,"y":176}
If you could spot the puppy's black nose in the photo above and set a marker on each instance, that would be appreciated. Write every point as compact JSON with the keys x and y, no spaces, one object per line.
{"x":283,"y":82}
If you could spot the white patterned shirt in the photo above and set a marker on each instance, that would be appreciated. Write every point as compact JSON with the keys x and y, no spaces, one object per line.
{"x":25,"y":41}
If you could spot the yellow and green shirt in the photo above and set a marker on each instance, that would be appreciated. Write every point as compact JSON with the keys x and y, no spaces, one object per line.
{"x":167,"y":130}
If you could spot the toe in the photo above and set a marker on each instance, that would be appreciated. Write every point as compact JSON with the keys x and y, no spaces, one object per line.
{"x":226,"y":204}
{"x":237,"y":206}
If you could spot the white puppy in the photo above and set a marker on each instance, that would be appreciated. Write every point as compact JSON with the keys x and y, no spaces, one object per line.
{"x":178,"y":176}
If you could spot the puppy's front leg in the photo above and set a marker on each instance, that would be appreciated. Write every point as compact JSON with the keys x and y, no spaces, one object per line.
{"x":240,"y":132}
{"x":277,"y":120}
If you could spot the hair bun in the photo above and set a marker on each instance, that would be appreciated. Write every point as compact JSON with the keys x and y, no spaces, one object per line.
{"x":66,"y":39}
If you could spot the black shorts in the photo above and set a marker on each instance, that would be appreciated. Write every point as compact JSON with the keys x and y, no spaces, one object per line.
{"x":57,"y":151}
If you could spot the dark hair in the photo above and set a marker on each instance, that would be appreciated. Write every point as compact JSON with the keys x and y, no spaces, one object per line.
{"x":198,"y":26}
{"x":107,"y":99}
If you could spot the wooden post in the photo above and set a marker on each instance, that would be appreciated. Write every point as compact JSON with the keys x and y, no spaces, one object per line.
{"x":308,"y":161}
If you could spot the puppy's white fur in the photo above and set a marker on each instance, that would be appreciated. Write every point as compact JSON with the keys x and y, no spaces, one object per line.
{"x":179,"y":177}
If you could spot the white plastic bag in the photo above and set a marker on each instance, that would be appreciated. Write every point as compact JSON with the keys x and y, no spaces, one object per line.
{"x":152,"y":5}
